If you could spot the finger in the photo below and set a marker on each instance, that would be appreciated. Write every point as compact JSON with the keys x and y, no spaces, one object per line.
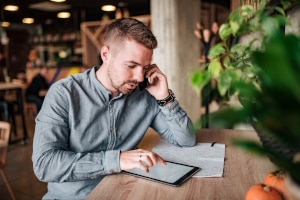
{"x":151,"y":69}
{"x":152,"y":66}
{"x":151,"y":159}
{"x":153,"y":78}
{"x":143,"y":166}
{"x":146,"y":160}
{"x":162,"y":161}
{"x":159,"y":159}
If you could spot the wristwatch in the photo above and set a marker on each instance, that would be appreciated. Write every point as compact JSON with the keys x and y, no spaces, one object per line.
{"x":166,"y":100}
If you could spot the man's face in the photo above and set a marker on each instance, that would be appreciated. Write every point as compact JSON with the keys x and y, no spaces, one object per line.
{"x":126,"y":65}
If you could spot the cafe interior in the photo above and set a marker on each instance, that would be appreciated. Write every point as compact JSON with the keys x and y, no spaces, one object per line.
{"x":66,"y":36}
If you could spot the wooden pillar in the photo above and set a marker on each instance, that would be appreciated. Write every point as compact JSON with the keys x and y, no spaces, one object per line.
{"x":173,"y":23}
{"x":90,"y":53}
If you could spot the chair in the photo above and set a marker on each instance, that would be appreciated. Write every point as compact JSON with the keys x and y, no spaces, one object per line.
{"x":8,"y":114}
{"x":4,"y":139}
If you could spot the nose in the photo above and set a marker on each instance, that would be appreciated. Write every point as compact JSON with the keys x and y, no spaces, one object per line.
{"x":139,"y":74}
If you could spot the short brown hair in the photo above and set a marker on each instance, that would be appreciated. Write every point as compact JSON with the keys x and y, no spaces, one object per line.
{"x":129,"y":28}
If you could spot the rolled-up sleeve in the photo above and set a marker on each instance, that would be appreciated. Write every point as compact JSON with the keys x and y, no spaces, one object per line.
{"x":174,"y":125}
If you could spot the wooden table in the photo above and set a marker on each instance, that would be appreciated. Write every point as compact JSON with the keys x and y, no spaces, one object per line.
{"x":19,"y":90}
{"x":241,"y":170}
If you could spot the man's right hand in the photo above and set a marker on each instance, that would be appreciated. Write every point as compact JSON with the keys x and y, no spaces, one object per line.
{"x":139,"y":158}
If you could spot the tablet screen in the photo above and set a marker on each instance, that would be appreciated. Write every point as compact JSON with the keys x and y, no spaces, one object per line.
{"x":172,"y":174}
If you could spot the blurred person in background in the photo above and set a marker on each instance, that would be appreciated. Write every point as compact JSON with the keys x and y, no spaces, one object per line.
{"x":37,"y":88}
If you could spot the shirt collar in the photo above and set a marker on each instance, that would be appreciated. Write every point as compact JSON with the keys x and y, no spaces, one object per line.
{"x":99,"y":85}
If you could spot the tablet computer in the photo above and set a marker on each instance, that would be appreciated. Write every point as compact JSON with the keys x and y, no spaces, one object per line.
{"x":173,"y":174}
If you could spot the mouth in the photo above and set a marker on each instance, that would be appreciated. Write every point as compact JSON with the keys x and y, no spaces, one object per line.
{"x":132,"y":86}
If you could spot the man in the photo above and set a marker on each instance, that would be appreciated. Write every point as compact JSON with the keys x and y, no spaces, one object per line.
{"x":91,"y":123}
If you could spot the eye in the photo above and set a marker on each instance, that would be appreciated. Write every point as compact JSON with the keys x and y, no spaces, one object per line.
{"x":131,"y":66}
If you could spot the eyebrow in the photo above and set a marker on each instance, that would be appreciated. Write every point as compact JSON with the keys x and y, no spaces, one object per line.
{"x":132,"y":62}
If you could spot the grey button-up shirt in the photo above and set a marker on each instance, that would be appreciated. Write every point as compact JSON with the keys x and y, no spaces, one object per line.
{"x":80,"y":132}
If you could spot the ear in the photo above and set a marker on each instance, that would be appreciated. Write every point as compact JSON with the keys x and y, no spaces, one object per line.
{"x":105,"y":53}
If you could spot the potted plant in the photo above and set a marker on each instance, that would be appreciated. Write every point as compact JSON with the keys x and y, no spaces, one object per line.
{"x":263,"y":73}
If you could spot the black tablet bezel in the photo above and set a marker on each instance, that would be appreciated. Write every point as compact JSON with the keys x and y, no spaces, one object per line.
{"x":177,"y":183}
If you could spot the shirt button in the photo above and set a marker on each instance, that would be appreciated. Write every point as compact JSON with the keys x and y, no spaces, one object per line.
{"x":110,"y":105}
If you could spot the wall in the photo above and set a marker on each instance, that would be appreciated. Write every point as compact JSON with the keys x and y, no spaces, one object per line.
{"x":294,"y":16}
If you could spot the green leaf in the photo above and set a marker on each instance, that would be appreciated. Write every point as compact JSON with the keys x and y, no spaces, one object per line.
{"x":224,"y":82}
{"x":247,"y":10}
{"x":216,"y":51}
{"x":237,"y":48}
{"x":225,"y":31}
{"x":226,"y":62}
{"x":215,"y":68}
{"x":199,"y":79}
{"x":280,"y":10}
{"x":235,"y":26}
{"x":234,"y":13}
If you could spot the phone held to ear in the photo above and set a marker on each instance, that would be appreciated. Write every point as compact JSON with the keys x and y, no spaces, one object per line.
{"x":144,"y":84}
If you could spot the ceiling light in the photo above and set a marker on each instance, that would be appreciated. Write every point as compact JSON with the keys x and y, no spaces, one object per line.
{"x":108,"y":8}
{"x":28,"y":20}
{"x":5,"y":24}
{"x":62,"y":54}
{"x":63,"y":15}
{"x":11,"y":7}
{"x":58,"y":1}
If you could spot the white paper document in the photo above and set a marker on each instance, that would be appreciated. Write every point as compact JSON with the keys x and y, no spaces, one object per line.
{"x":210,"y":158}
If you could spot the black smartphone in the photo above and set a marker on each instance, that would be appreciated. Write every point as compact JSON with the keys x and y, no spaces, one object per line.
{"x":144,"y":84}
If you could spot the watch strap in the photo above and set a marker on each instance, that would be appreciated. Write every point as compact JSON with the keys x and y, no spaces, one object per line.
{"x":167,"y":100}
